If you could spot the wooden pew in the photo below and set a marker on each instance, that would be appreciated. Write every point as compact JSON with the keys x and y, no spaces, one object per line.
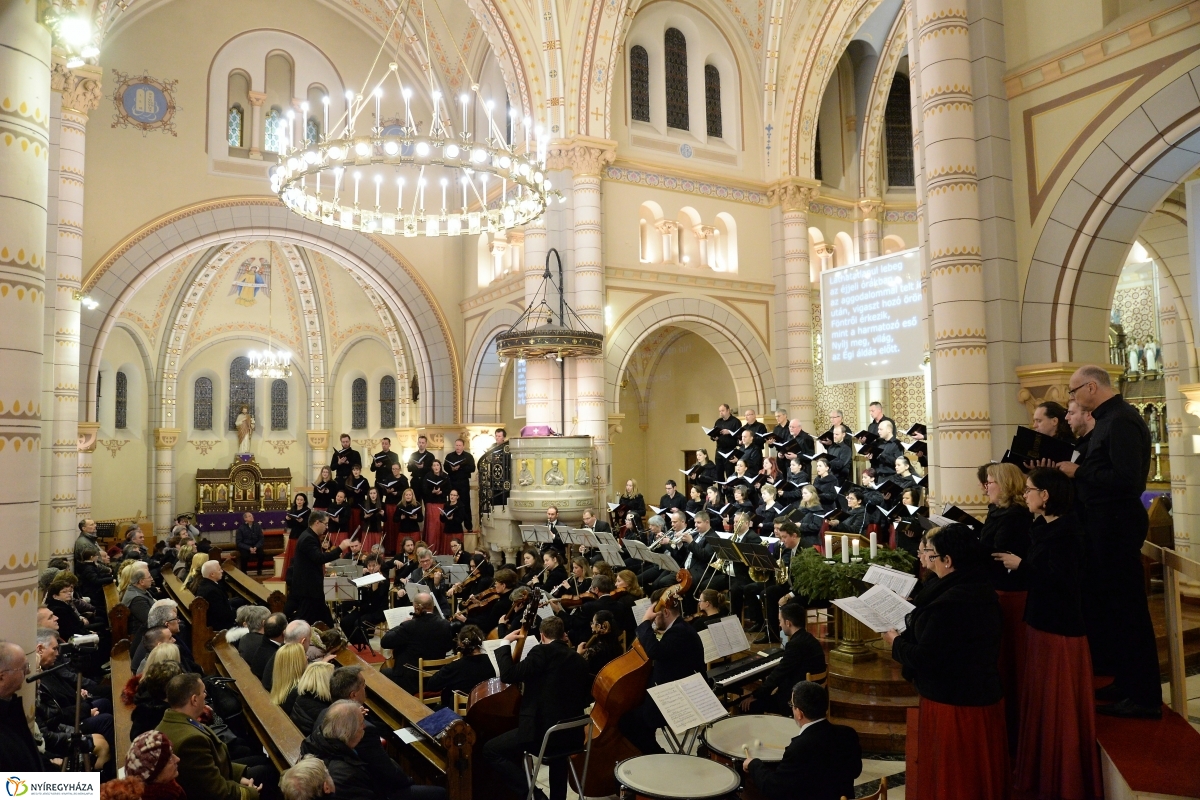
{"x":271,"y":724}
{"x":446,"y":761}
{"x":122,"y":714}
{"x":251,"y":590}
{"x":195,"y":611}
{"x":118,"y":614}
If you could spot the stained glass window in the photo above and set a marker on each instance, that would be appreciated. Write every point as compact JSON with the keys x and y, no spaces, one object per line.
{"x":312,"y":130}
{"x":279,"y":405}
{"x":236,"y":117}
{"x":387,"y":402}
{"x":271,"y":137}
{"x":122,"y":411}
{"x":712,"y":100}
{"x":817,"y":155}
{"x":897,"y":133}
{"x":202,"y":398}
{"x":241,"y":389}
{"x":675,"y":58}
{"x":639,"y":83}
{"x":358,"y":404}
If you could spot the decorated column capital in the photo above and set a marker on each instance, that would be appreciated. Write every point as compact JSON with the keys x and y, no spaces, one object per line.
{"x":318,"y":440}
{"x":794,"y":194}
{"x":80,"y":87}
{"x":166,"y":438}
{"x":257,"y":98}
{"x":666,"y":226}
{"x":583,"y":155}
{"x":87,"y":436}
{"x":703,"y":231}
{"x":870,"y":208}
{"x":1191,"y":393}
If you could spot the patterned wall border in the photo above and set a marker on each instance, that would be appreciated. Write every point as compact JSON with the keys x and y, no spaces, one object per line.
{"x":661,"y":180}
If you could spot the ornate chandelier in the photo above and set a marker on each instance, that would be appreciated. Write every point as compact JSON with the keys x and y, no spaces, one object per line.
{"x":269,"y":364}
{"x":536,"y":334}
{"x":399,"y":177}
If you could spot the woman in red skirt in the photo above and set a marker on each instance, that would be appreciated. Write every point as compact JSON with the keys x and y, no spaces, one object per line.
{"x":434,"y":490}
{"x":1006,"y":530}
{"x":297,"y":523}
{"x":391,"y":488}
{"x":949,"y":649}
{"x":370,"y":511}
{"x":1056,"y":748}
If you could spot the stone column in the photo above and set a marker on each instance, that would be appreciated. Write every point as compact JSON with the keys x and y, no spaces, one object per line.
{"x":80,"y":93}
{"x":318,"y":448}
{"x":25,"y":102}
{"x":801,"y":401}
{"x":539,"y":373}
{"x":669,"y":229}
{"x":256,"y":124}
{"x":868,"y":244}
{"x":962,"y":414}
{"x":86,"y":446}
{"x":165,"y":440}
{"x":707,"y":236}
{"x":587,"y":161}
{"x":497,"y":249}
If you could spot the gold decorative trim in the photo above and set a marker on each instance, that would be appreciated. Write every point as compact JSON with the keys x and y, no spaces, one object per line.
{"x":204,"y":446}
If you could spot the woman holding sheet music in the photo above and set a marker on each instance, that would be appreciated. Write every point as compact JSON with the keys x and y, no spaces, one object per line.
{"x":950,"y":650}
{"x":434,"y":489}
{"x":1006,"y":530}
{"x":409,"y":514}
{"x":371,"y":512}
{"x":704,"y":473}
{"x":1056,"y":745}
{"x":297,"y":522}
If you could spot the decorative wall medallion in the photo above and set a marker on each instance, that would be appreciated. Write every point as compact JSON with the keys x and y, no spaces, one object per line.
{"x":203,"y":446}
{"x":144,"y":103}
{"x":281,"y":445}
{"x":685,"y":150}
{"x":113,"y":446}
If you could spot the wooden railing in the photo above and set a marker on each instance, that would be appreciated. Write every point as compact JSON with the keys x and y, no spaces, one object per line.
{"x":120,"y":674}
{"x":444,"y":761}
{"x":1175,"y":567}
{"x":279,"y":735}
{"x":195,"y":611}
{"x":251,"y":590}
{"x":118,"y":614}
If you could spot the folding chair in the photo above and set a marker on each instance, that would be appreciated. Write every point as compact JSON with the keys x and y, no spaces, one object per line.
{"x":533,"y":765}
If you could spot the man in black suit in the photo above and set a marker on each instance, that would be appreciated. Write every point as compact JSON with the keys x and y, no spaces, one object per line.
{"x":672,"y":500}
{"x":460,"y":466}
{"x":802,"y":657}
{"x":220,"y":614}
{"x":678,"y":654}
{"x":766,"y":597}
{"x":723,"y":431}
{"x":556,"y":688}
{"x":750,"y":451}
{"x":381,"y":462}
{"x":273,"y":630}
{"x":344,"y":460}
{"x":251,"y":542}
{"x":427,"y":635}
{"x":306,"y":571}
{"x":419,"y":466}
{"x":820,"y":763}
{"x":253,"y":617}
{"x":877,"y":416}
{"x":700,"y":554}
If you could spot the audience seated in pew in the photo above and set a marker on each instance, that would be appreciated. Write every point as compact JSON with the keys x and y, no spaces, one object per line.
{"x":205,"y":767}
{"x":335,"y":742}
{"x":308,"y":779}
{"x":273,"y":631}
{"x":310,"y":696}
{"x":55,"y":710}
{"x":138,"y":600}
{"x":16,"y":739}
{"x":220,"y":611}
{"x":253,"y":619}
{"x":297,"y":632}
{"x":151,"y":772}
{"x":150,"y":700}
{"x":286,"y":669}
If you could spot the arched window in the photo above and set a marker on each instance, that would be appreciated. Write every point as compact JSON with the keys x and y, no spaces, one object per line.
{"x":271,"y":137}
{"x":236,"y":117}
{"x":358,"y":404}
{"x":639,"y":83}
{"x":712,"y":100}
{"x":122,"y":410}
{"x":241,"y":389}
{"x":312,"y":130}
{"x":675,"y":58}
{"x":387,"y":402}
{"x":817,"y":155}
{"x":279,"y":405}
{"x":202,"y":404}
{"x":897,"y":133}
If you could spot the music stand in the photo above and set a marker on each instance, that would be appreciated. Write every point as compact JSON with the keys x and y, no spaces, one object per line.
{"x":339,"y":589}
{"x":536,"y":534}
{"x":756,"y":556}
{"x":583,"y":537}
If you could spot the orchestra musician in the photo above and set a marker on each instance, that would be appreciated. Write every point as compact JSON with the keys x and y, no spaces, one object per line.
{"x":802,"y":656}
{"x":603,"y":645}
{"x":591,"y":523}
{"x":604,"y":596}
{"x":712,"y":607}
{"x":381,"y":462}
{"x":529,"y":566}
{"x":425,"y":636}
{"x":485,"y":608}
{"x":406,"y":560}
{"x":323,"y":489}
{"x":553,"y":573}
{"x":368,"y":611}
{"x":472,"y":668}
{"x":552,"y":523}
{"x":344,"y":460}
{"x":700,"y":553}
{"x":419,"y":465}
{"x":723,"y":432}
{"x":737,"y":572}
{"x":678,"y":654}
{"x":772,"y":595}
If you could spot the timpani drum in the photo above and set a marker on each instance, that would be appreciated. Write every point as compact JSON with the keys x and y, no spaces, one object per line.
{"x":675,"y":777}
{"x":766,"y":737}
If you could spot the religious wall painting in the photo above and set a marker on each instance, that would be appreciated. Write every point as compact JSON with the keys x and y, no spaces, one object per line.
{"x":222,"y":494}
{"x":253,"y":279}
{"x":268,"y":492}
{"x":145,"y":103}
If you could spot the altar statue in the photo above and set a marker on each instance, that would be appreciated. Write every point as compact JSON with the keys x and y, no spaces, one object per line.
{"x":245,"y":428}
{"x":1134,"y":355}
{"x":1151,"y":352}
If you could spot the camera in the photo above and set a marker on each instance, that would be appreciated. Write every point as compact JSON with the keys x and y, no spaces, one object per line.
{"x":79,"y":644}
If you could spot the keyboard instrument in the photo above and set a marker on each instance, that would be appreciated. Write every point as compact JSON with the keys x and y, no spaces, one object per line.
{"x":729,"y":676}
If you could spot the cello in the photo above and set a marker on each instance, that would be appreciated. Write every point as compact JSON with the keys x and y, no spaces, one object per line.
{"x":619,"y":688}
{"x":493,"y":705}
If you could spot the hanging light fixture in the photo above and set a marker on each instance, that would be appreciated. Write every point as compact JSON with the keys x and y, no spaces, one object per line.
{"x":537,"y":333}
{"x":404,"y":178}
{"x":270,"y":363}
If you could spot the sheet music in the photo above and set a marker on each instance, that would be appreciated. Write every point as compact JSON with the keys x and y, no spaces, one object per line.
{"x":899,"y":582}
{"x":710,"y":647}
{"x":687,"y":703}
{"x":879,"y":608}
{"x":492,"y":645}
{"x":367,"y":580}
{"x":728,"y":637}
{"x":639,"y":609}
{"x":395,"y":617}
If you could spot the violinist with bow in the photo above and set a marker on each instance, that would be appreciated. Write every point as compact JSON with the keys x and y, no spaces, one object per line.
{"x":486,"y":608}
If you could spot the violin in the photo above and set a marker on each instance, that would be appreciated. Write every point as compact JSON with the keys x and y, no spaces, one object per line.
{"x":456,"y":588}
{"x":481,"y":600}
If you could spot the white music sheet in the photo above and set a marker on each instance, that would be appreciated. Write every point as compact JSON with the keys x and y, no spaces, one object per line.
{"x":639,"y":610}
{"x":729,"y":637}
{"x":396,"y":617}
{"x":687,"y":703}
{"x":367,"y":580}
{"x":899,"y":582}
{"x":879,"y":608}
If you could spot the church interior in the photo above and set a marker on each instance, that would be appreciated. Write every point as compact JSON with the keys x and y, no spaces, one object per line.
{"x":192,"y":321}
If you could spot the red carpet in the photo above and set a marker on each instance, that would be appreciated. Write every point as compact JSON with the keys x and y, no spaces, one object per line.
{"x":1154,"y":756}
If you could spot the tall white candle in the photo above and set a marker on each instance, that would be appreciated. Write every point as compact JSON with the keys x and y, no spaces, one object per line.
{"x":845,"y":549}
{"x":854,"y":548}
{"x":829,"y":545}
{"x":874,"y":546}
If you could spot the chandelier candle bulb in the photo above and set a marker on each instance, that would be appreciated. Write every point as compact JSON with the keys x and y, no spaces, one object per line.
{"x":357,"y":176}
{"x":845,"y":549}
{"x":828,"y":547}
{"x":465,"y":99}
{"x":378,"y":183}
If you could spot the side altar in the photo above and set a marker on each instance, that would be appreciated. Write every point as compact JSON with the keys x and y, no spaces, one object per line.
{"x":242,"y":486}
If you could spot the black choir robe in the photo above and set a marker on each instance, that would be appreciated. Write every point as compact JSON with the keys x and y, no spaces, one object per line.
{"x":342,"y":462}
{"x":418,"y":467}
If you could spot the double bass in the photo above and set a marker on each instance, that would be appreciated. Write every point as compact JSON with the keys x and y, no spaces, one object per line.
{"x":493,"y":705}
{"x":619,"y":688}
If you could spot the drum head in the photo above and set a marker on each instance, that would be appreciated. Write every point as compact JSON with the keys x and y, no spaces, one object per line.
{"x":728,"y":736}
{"x":676,"y":777}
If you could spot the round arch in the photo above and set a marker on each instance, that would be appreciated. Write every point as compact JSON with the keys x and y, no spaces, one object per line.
{"x":1084,"y":242}
{"x":733,"y":339}
{"x":484,"y":374}
{"x":129,"y":265}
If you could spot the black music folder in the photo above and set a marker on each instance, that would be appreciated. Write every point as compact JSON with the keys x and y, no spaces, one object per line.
{"x":1030,"y":445}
